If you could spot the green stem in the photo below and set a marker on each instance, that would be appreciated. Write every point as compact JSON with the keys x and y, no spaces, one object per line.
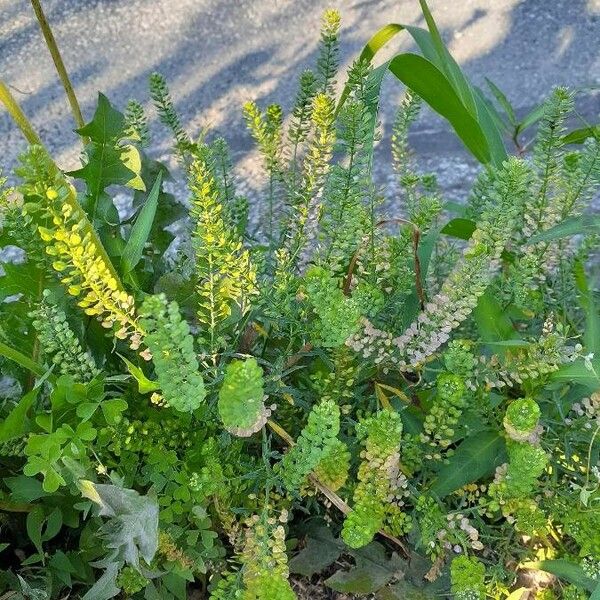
{"x":18,"y":116}
{"x":58,"y":62}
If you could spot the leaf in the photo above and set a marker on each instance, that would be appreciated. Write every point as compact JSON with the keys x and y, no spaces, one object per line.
{"x":503,"y":101}
{"x":447,"y":63}
{"x":427,"y":81}
{"x":451,"y":78}
{"x":17,"y":423}
{"x":596,"y":593}
{"x":571,"y":226}
{"x":33,"y":524}
{"x":132,"y":530}
{"x":145,"y":385}
{"x":372,"y":571}
{"x":531,"y":118}
{"x":578,"y":372}
{"x":404,"y":590}
{"x":106,"y":586}
{"x":132,"y":253}
{"x":476,"y":458}
{"x":493,"y":323}
{"x":459,"y":228}
{"x":321,"y":550}
{"x":517,"y":594}
{"x":564,"y":569}
{"x":108,"y":163}
{"x":592,"y":317}
{"x":578,"y":136}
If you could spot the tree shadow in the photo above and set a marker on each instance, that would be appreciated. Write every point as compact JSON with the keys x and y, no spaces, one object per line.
{"x":228,"y":51}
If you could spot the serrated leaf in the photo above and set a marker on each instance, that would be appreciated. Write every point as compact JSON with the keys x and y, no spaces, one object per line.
{"x":372,"y":570}
{"x":475,"y":458}
{"x":132,"y":530}
{"x":108,"y":162}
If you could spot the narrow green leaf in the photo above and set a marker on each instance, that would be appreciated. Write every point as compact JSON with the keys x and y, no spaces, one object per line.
{"x":531,"y":118}
{"x":580,"y":371}
{"x":578,"y":136}
{"x":16,"y":422}
{"x":145,"y":385}
{"x":572,"y":226}
{"x":132,"y":253}
{"x":503,"y":101}
{"x":490,"y":129}
{"x":592,"y":317}
{"x":447,"y":63}
{"x":476,"y":457}
{"x":427,"y":81}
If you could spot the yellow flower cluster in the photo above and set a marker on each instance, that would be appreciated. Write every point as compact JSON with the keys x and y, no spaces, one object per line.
{"x":83,"y":268}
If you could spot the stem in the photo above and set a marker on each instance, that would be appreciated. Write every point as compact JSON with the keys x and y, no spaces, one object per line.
{"x":18,"y":116}
{"x":329,"y":494}
{"x":58,"y":63}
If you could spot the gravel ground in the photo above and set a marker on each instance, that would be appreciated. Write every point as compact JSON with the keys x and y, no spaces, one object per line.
{"x":218,"y":53}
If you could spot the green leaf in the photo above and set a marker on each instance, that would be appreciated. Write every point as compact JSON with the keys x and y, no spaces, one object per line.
{"x":578,"y":372}
{"x":371,"y":572}
{"x":503,"y":101}
{"x":108,"y":162}
{"x":596,"y":593}
{"x":321,"y":550}
{"x":132,"y":528}
{"x":531,"y":118}
{"x":564,"y":569}
{"x":426,"y":80}
{"x":578,"y":136}
{"x":33,"y":524}
{"x":459,"y":228}
{"x":17,"y":423}
{"x":448,"y":74}
{"x":592,"y":317}
{"x":106,"y":586}
{"x":572,"y":226}
{"x":493,"y":323}
{"x":447,"y":63}
{"x":145,"y":385}
{"x":475,"y":458}
{"x":132,"y":253}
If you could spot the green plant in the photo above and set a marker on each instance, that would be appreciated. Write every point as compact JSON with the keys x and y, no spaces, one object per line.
{"x":404,"y":396}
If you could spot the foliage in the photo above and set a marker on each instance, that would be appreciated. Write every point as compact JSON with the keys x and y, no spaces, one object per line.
{"x":361,"y":384}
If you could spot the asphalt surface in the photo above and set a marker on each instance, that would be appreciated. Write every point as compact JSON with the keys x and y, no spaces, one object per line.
{"x":218,"y":53}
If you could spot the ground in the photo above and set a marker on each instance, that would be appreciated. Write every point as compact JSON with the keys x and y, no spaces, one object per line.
{"x":218,"y":53}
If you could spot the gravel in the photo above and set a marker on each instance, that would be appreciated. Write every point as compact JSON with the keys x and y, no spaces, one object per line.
{"x":218,"y":53}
